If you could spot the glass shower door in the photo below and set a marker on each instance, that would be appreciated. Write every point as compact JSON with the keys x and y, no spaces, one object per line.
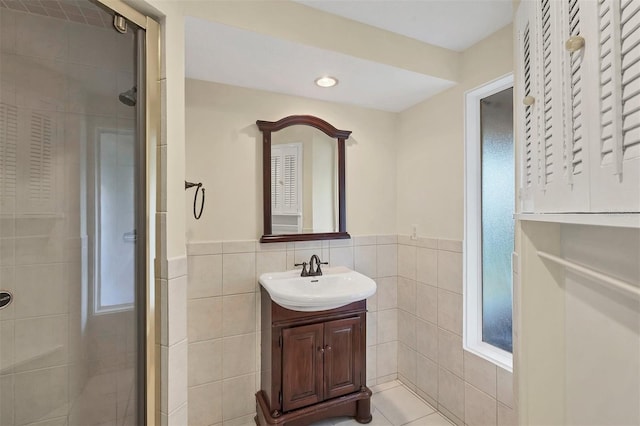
{"x":69,"y":340}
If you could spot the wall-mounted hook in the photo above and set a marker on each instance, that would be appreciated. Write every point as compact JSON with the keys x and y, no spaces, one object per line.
{"x":198,"y":186}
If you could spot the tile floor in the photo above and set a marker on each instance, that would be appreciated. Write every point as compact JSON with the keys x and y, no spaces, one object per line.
{"x":394,"y":404}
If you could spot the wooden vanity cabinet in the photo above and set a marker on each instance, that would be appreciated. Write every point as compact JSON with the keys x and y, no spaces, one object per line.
{"x":313,"y":365}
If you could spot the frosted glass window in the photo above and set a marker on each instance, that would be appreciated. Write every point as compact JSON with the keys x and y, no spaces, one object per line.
{"x":116,"y":233}
{"x":498,"y":194}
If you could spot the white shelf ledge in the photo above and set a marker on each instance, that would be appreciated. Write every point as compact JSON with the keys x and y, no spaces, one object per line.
{"x":620,"y":220}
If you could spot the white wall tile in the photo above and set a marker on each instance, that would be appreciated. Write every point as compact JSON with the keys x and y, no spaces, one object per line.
{"x":407,"y":358}
{"x":407,"y":295}
{"x":48,"y":386}
{"x":427,"y":376}
{"x":341,"y":256}
{"x":450,"y":271}
{"x":238,"y":355}
{"x":205,"y":404}
{"x":205,"y":276}
{"x":407,"y":329}
{"x":238,"y":396}
{"x":505,"y":387}
{"x":7,"y":347}
{"x":372,"y":328}
{"x":427,"y":302}
{"x":450,"y":352}
{"x":480,"y":373}
{"x":450,"y":245}
{"x":179,"y":417}
{"x":427,"y":266}
{"x":239,"y":246}
{"x":239,"y":314}
{"x":427,"y":339}
{"x":387,"y":260}
{"x":41,"y":342}
{"x":479,"y":408}
{"x":387,"y":239}
{"x":364,"y":240}
{"x":177,"y":376}
{"x":205,"y":362}
{"x":387,"y":293}
{"x":450,"y":311}
{"x":203,"y":248}
{"x":451,"y":392}
{"x":6,"y":400}
{"x":365,"y":260}
{"x":407,"y":261}
{"x":177,"y":310}
{"x":238,"y":273}
{"x":372,"y":360}
{"x":431,"y":243}
{"x":387,"y":362}
{"x":204,"y":319}
{"x":387,"y":325}
{"x":506,"y":416}
{"x":270,"y":261}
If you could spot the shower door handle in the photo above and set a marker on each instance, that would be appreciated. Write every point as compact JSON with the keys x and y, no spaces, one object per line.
{"x":129,"y":236}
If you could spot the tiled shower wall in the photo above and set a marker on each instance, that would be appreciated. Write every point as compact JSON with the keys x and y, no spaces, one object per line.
{"x":223,"y":315}
{"x":431,"y":361}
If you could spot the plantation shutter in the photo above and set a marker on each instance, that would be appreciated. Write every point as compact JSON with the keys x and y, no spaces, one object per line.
{"x":630,"y":64}
{"x":573,"y":163}
{"x":8,"y":152}
{"x":545,"y":154}
{"x":286,"y":179}
{"x":528,"y":109}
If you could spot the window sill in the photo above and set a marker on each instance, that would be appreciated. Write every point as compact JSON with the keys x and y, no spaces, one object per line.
{"x":499,"y":357}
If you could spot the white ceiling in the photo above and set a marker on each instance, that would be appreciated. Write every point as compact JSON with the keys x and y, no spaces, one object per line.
{"x":452,"y":24}
{"x":229,"y":55}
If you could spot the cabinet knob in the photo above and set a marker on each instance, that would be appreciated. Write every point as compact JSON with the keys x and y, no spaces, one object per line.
{"x":574,"y":44}
{"x":321,"y":349}
{"x":328,"y":347}
{"x":529,"y":100}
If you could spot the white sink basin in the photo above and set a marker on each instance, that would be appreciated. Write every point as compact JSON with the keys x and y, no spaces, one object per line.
{"x":336,"y":287}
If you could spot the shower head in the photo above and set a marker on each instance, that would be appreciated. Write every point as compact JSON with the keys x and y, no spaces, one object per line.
{"x":129,"y":97}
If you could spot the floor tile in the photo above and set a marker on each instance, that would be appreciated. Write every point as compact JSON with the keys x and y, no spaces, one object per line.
{"x":434,"y":419}
{"x":384,"y":386}
{"x":378,"y":420}
{"x":400,"y":406}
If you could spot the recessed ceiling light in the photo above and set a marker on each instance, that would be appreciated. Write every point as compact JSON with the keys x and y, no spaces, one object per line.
{"x":326,"y":81}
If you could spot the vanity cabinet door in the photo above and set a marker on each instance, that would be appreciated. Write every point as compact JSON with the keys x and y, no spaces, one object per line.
{"x":342,"y":359}
{"x":302,"y":382}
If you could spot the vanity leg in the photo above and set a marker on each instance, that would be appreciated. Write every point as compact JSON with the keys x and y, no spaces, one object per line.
{"x":363,"y":411}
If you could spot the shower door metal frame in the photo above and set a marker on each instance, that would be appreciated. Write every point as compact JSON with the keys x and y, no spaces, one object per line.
{"x":148,"y":112}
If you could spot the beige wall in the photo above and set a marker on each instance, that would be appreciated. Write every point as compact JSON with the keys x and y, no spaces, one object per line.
{"x":224,"y":152}
{"x":430,"y":159}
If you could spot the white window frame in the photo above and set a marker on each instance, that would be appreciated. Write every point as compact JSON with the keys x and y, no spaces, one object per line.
{"x":472,"y":253}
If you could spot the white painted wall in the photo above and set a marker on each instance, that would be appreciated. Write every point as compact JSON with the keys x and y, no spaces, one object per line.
{"x":430,"y":142}
{"x":224,"y":151}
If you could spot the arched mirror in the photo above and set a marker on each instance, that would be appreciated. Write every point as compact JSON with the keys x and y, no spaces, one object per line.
{"x":303,"y":187}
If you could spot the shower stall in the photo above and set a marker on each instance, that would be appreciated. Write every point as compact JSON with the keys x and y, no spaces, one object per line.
{"x":76,"y":343}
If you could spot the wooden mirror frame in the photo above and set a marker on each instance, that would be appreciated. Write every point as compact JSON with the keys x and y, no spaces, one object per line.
{"x":267,"y":127}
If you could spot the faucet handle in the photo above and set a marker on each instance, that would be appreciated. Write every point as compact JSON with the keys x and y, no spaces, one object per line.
{"x":304,"y":272}
{"x":318,"y":270}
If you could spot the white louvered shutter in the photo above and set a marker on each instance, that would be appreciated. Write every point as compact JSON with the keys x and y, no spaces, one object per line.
{"x":573,"y":159}
{"x":286,"y":179}
{"x":615,"y":162}
{"x":546,"y":157}
{"x":528,"y":119}
{"x":8,"y":156}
